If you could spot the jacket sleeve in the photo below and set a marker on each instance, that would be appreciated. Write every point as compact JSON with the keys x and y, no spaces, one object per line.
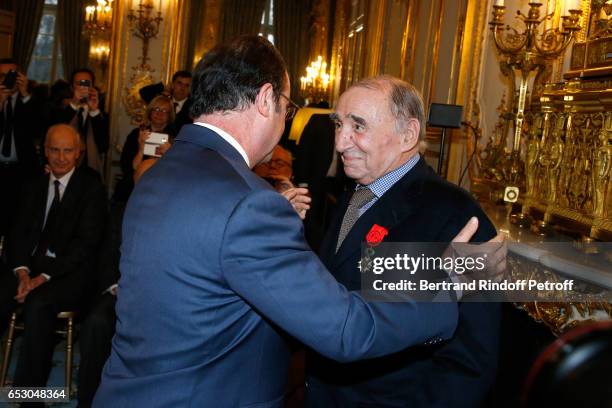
{"x":129,"y":151}
{"x":265,"y":260}
{"x":18,"y":243}
{"x":100,"y":127}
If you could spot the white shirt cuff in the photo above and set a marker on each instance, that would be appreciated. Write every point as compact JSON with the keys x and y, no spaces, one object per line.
{"x":21,"y":267}
{"x":111,"y":288}
{"x":47,"y":277}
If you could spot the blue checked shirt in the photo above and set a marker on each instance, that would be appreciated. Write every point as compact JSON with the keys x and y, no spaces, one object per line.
{"x":381,"y":185}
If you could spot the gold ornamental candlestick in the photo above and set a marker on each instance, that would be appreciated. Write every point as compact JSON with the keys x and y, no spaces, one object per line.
{"x":145,"y":25}
{"x":531,"y":50}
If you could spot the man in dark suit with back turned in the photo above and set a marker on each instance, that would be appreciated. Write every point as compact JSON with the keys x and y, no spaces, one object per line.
{"x":215,"y":273}
{"x":18,"y":133}
{"x":379,"y":123}
{"x":51,"y":251}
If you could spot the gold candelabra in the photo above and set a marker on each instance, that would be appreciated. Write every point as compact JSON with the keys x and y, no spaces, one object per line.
{"x":98,"y":18}
{"x":145,"y":25}
{"x":529,"y":51}
{"x":316,"y":82}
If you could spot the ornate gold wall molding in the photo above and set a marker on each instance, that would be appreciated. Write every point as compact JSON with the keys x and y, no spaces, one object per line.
{"x":175,"y":39}
{"x":471,"y":68}
{"x":437,"y":15}
{"x":374,"y":36}
{"x":117,"y":66}
{"x":338,"y":49}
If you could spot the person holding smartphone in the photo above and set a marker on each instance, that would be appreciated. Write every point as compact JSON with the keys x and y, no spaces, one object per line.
{"x":18,"y":132}
{"x":84,"y":114}
{"x":159,"y":119}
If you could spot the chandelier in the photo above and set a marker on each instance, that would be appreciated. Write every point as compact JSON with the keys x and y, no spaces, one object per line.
{"x":316,"y":82}
{"x":98,"y":18}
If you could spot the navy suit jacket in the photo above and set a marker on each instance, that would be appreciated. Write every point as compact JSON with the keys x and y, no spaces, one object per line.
{"x":420,"y":207}
{"x":215,"y":275}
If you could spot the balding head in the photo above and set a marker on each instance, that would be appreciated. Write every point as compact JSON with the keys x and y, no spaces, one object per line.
{"x":62,"y":149}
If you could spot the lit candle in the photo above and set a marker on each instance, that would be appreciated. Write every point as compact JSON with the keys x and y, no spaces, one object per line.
{"x":570,"y":5}
{"x":498,"y":3}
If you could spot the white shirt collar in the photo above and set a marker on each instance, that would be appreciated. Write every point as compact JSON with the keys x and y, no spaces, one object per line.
{"x":77,"y":107}
{"x":63,"y":180}
{"x":228,"y":138}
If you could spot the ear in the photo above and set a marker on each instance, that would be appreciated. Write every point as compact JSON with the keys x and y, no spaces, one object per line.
{"x":264,"y":102}
{"x":411,"y":129}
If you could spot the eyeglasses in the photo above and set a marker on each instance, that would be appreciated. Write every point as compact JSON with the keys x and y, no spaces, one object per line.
{"x":158,"y":109}
{"x":291,"y":108}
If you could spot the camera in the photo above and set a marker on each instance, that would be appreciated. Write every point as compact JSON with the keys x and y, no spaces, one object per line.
{"x":10,"y":79}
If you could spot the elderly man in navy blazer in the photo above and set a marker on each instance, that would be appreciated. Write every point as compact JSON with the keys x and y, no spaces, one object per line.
{"x":379,"y":123}
{"x":215,"y":273}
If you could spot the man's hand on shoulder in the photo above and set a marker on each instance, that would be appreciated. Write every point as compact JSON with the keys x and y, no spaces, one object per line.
{"x":494,"y":251}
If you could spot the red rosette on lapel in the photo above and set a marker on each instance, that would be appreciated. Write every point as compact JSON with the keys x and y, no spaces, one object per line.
{"x":376,"y":235}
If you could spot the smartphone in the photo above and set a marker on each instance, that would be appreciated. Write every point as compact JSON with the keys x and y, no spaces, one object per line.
{"x":84,"y":83}
{"x":151,"y":147}
{"x":10,"y":79}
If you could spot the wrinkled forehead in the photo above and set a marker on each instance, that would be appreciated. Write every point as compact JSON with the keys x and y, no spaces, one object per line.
{"x":363,"y":102}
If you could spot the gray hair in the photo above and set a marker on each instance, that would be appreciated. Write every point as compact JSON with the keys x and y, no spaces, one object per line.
{"x":405,"y":101}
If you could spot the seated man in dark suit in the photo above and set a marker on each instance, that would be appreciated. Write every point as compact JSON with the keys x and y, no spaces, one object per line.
{"x":50,"y":251}
{"x":85,"y":115}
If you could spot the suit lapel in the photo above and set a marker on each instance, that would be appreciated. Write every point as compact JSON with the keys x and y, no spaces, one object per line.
{"x":41,"y":204}
{"x":69,"y":197}
{"x":399,"y":202}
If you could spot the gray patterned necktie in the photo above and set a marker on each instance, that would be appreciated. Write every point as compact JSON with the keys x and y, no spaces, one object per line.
{"x":360,"y":198}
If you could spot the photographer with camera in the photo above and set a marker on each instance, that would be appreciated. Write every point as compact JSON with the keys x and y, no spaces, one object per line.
{"x":18,"y":132}
{"x":84,"y":114}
